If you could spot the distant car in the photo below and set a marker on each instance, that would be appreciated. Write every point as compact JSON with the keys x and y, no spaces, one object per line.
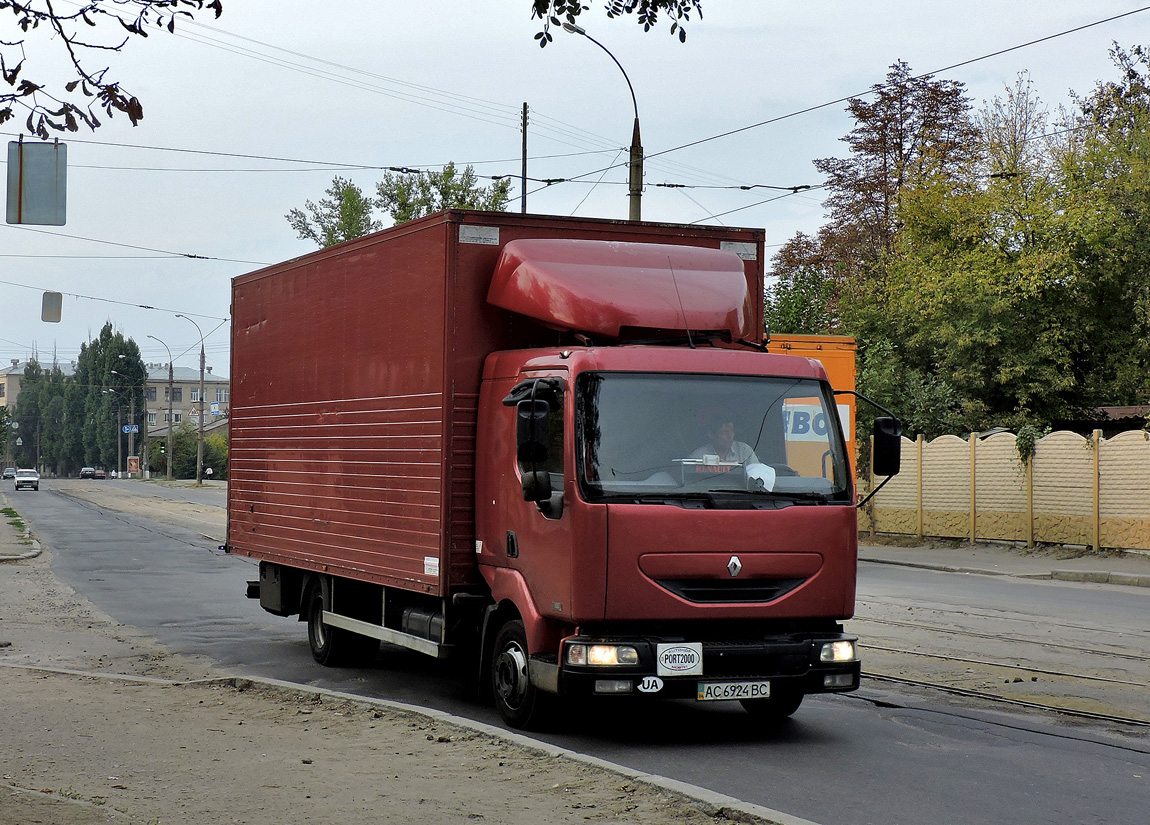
{"x":99,"y":473}
{"x":9,"y":472}
{"x":27,"y":478}
{"x":88,"y":472}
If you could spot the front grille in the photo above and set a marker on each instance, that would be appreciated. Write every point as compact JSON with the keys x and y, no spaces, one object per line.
{"x":755,"y":659}
{"x":729,"y":591}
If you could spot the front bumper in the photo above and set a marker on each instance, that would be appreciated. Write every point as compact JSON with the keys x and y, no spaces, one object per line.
{"x":790,"y":663}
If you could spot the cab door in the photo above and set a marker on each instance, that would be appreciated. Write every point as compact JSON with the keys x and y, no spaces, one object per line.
{"x":529,"y":525}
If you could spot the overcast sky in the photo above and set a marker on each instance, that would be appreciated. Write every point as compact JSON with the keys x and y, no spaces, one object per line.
{"x":347,"y":88}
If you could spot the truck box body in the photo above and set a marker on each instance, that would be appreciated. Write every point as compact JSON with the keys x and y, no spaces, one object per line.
{"x":554,"y":440}
{"x":355,"y":384}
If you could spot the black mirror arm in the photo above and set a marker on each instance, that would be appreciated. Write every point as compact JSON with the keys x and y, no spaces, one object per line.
{"x":872,"y":402}
{"x":872,"y":493}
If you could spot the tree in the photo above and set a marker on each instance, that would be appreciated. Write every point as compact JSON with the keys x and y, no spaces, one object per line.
{"x":343,"y":215}
{"x":28,"y":413}
{"x":406,"y":197}
{"x":803,"y":297}
{"x":914,"y":129}
{"x":74,"y":39}
{"x":648,"y":11}
{"x":1105,"y":177}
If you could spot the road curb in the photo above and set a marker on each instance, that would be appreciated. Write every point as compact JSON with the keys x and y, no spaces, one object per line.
{"x":1080,"y":576}
{"x":709,"y":802}
{"x":31,"y":554}
{"x":1100,"y":577}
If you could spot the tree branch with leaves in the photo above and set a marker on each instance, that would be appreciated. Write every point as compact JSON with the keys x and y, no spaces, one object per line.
{"x":556,"y":12}
{"x":63,"y":105}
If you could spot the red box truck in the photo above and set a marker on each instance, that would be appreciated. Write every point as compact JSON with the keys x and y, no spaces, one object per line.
{"x":555,"y":444}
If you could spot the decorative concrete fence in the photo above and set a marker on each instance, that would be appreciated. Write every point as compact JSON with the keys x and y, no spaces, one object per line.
{"x":1073,"y":490}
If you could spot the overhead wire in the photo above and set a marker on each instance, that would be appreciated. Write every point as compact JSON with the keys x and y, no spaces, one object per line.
{"x":114,"y":301}
{"x":880,"y":87}
{"x":135,"y":246}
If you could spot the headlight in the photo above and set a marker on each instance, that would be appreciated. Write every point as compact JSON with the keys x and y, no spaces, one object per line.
{"x":838,"y":652}
{"x":602,"y":655}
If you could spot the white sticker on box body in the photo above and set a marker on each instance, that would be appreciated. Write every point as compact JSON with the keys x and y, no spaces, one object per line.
{"x":488,"y":235}
{"x":746,"y":251}
{"x":679,"y":659}
{"x":478,"y":546}
{"x":431,"y":565}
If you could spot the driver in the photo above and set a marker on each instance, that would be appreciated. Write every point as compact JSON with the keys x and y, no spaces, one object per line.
{"x":721,"y":442}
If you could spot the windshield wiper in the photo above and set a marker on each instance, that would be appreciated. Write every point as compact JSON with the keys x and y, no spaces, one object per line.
{"x":797,"y":496}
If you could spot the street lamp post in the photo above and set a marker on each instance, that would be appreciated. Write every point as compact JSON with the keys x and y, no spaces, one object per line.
{"x":132,"y":419}
{"x":200,"y":442}
{"x":635,"y":166}
{"x":170,"y":419}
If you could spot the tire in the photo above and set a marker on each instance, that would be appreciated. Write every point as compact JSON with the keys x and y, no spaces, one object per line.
{"x":781,"y":704}
{"x":334,"y":646}
{"x":518,"y":701}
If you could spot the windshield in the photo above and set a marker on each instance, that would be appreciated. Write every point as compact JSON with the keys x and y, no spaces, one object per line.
{"x":680,"y":436}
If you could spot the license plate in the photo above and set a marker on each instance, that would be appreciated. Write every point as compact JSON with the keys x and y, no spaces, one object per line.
{"x":714,"y":691}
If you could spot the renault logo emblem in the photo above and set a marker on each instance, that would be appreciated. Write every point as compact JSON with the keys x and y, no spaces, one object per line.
{"x":734,"y":566}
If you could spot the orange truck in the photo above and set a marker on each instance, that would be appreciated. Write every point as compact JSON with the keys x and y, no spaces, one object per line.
{"x":837,"y":355}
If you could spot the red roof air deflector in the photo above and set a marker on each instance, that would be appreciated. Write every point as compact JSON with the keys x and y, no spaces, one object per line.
{"x":596,"y":287}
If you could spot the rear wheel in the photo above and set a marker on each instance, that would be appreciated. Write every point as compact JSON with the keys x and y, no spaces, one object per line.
{"x":782,"y":703}
{"x":519,"y":702}
{"x":334,"y":646}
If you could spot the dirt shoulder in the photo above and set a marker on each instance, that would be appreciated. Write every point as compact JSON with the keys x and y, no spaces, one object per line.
{"x":173,"y":740}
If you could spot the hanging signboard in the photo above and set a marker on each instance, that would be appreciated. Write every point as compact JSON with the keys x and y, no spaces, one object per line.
{"x":37,"y":183}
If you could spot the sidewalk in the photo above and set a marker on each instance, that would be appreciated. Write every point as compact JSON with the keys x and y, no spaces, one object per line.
{"x":1062,"y":564}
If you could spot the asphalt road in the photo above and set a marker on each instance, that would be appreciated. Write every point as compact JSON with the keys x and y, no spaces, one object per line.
{"x":882,"y":755}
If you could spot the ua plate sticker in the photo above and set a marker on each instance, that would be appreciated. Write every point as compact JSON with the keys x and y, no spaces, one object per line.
{"x":650,"y":684}
{"x":679,"y":659}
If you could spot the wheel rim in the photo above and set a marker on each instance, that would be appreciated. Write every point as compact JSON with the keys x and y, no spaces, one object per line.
{"x":319,"y":629}
{"x":511,"y":675}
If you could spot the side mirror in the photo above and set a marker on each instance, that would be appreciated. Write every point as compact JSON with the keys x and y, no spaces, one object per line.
{"x":536,"y":486}
{"x":887,"y":454}
{"x":532,"y":431}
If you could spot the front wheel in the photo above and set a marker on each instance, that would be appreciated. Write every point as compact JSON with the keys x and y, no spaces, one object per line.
{"x":519,"y":702}
{"x":781,"y":704}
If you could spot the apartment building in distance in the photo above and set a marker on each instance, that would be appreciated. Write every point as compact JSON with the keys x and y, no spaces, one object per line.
{"x":167,"y":405}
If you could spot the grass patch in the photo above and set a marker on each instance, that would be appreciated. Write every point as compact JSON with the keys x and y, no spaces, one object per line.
{"x":14,"y":519}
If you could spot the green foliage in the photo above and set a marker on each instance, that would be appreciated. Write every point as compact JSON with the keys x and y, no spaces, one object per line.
{"x":1026,"y":441}
{"x":185,"y":441}
{"x":802,"y":296}
{"x":995,"y":271}
{"x":216,"y":455}
{"x":346,"y":213}
{"x":343,"y":215}
{"x":69,"y":422}
{"x":406,"y":197}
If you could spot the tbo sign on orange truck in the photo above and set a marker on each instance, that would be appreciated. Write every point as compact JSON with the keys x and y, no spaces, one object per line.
{"x":555,"y":446}
{"x":837,"y":355}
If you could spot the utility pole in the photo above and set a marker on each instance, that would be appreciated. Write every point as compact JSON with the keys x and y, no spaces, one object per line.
{"x":523,"y":178}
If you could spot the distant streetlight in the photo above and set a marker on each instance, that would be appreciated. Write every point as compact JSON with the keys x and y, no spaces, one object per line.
{"x":171,"y":421}
{"x":635,"y":166}
{"x":200,"y":444}
{"x":132,"y":415}
{"x":119,"y":428}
